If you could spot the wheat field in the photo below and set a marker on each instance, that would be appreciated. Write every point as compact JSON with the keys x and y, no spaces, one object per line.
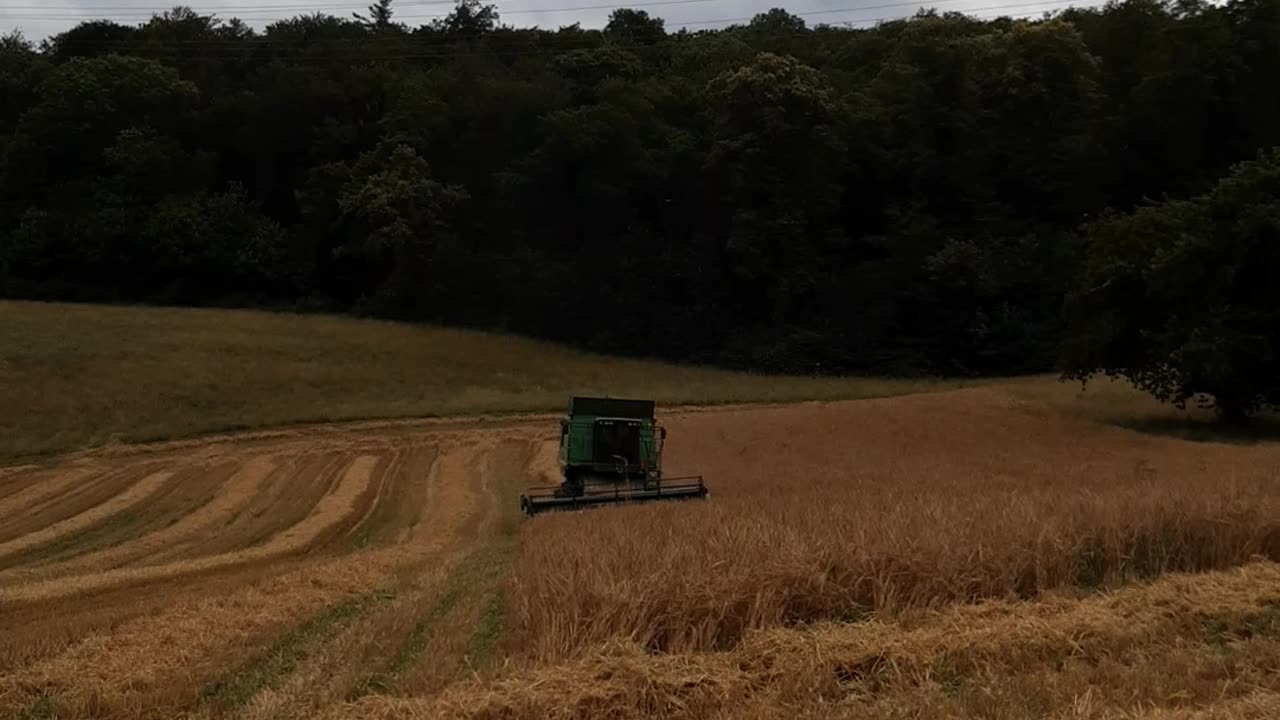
{"x":1183,"y":647}
{"x":262,"y":576}
{"x":837,"y":510}
{"x":1023,"y":549}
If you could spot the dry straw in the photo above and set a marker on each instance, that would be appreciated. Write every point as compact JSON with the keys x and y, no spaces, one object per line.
{"x":835,"y":512}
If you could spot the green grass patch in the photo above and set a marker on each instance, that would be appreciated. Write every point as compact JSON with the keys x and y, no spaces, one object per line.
{"x":493,"y":568}
{"x":44,"y":708}
{"x":482,"y":648}
{"x":483,"y":571}
{"x":1221,"y":631}
{"x":383,"y":680}
{"x":81,"y":375}
{"x":266,"y":671}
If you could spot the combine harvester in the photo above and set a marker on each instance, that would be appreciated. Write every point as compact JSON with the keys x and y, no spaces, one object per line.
{"x":610,"y":454}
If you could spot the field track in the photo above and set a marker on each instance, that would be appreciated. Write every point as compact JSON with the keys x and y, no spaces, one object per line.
{"x":197,"y":576}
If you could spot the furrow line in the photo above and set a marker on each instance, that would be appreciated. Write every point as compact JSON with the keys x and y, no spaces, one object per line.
{"x":332,"y":509}
{"x":135,"y":494}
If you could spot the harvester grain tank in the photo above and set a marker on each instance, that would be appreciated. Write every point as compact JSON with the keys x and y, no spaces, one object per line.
{"x":610,"y":454}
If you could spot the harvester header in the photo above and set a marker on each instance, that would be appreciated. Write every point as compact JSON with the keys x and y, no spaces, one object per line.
{"x":610,"y":454}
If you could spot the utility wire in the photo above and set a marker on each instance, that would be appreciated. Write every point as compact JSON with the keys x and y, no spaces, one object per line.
{"x":899,"y":17}
{"x":526,"y":11}
{"x":311,"y":9}
{"x":364,"y":53}
{"x":265,"y":7}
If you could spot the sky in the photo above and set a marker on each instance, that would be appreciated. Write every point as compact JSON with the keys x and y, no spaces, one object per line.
{"x":40,"y":18}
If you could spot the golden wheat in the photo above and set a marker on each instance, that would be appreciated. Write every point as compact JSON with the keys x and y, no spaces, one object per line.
{"x":1185,"y":647}
{"x":837,"y":511}
{"x":280,"y":573}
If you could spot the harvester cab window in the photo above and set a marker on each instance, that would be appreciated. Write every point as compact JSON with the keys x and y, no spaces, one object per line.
{"x":617,"y":438}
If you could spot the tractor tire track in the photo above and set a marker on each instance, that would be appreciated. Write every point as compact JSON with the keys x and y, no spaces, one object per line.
{"x":331,"y":510}
{"x":284,"y":499}
{"x":30,"y":491}
{"x":231,"y":498}
{"x":183,"y":566}
{"x":89,"y":488}
{"x":429,"y":613}
{"x":120,"y":538}
{"x":244,"y":544}
{"x":138,"y":492}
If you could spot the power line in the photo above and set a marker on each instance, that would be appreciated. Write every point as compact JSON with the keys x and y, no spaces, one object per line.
{"x":650,"y":3}
{"x":364,"y":53}
{"x":302,"y":8}
{"x":883,"y":19}
{"x":232,"y":7}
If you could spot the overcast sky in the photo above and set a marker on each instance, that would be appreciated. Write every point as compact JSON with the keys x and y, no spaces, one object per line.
{"x":41,"y":18}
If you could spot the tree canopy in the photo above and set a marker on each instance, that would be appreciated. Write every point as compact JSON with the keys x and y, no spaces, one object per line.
{"x":775,"y":195}
{"x":1181,"y":297}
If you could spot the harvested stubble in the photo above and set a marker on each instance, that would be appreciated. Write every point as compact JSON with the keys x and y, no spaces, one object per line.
{"x":298,"y":571}
{"x":834,"y":511}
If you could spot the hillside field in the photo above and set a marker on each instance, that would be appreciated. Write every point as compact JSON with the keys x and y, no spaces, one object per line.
{"x":1018,"y":549}
{"x":76,"y":375}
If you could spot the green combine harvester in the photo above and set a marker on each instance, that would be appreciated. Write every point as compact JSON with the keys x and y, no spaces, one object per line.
{"x":610,"y":453}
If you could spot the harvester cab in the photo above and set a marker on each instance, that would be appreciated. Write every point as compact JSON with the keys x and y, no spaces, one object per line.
{"x":610,"y":453}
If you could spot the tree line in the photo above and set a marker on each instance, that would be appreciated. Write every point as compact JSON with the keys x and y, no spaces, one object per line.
{"x":933,"y":194}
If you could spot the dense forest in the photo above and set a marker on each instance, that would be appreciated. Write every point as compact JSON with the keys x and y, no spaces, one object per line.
{"x":909,"y":197}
